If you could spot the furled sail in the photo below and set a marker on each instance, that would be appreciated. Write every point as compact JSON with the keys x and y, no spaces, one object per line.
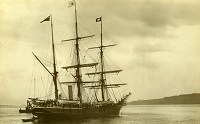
{"x":105,"y":72}
{"x":107,"y":86}
{"x":81,"y":65}
{"x":80,"y":82}
{"x":78,"y":38}
{"x":102,"y":46}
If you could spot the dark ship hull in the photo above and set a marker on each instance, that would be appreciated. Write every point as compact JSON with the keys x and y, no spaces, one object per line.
{"x":58,"y":113}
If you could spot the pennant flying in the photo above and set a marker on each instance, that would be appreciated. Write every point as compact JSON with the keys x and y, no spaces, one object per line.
{"x":47,"y":19}
{"x":71,"y":3}
{"x":98,"y":19}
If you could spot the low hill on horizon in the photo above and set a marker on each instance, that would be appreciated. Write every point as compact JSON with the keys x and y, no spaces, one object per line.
{"x":180,"y":99}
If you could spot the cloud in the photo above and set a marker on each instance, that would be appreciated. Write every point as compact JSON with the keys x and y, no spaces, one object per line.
{"x":157,"y":13}
{"x":150,"y":18}
{"x":150,"y":47}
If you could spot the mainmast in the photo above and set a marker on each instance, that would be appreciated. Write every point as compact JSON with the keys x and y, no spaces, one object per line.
{"x":78,"y":65}
{"x":78,"y":74}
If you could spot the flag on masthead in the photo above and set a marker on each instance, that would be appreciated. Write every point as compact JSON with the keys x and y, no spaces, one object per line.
{"x":71,"y":3}
{"x":98,"y":19}
{"x":47,"y":19}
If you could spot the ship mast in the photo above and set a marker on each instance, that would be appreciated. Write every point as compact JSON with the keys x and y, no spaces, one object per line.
{"x":54,"y":64}
{"x":55,"y":73}
{"x":102,"y":64}
{"x":78,"y":74}
{"x":78,"y":65}
{"x":103,"y":86}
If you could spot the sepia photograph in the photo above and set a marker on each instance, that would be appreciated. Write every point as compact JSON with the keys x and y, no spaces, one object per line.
{"x":100,"y":61}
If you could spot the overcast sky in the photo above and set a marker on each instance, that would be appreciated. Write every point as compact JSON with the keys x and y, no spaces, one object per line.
{"x":158,"y":42}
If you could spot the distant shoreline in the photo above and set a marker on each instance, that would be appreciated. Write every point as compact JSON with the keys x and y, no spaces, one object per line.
{"x":12,"y":106}
{"x":172,"y":100}
{"x":184,"y":99}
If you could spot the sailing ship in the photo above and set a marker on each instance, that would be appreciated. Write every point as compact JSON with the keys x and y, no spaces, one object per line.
{"x":80,"y":106}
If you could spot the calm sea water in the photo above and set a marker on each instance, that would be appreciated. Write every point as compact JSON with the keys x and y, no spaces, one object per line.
{"x":143,"y":114}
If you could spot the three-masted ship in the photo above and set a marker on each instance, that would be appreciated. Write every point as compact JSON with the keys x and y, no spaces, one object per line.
{"x":80,"y":107}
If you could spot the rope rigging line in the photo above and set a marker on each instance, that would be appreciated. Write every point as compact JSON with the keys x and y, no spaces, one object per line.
{"x":61,"y":88}
{"x":112,"y":61}
{"x":48,"y":42}
{"x":45,"y":96}
{"x":50,"y":88}
{"x":49,"y":62}
{"x":56,"y":33}
{"x":115,"y":56}
{"x":86,"y":53}
{"x":31,"y":77}
{"x":44,"y":86}
{"x":114,"y":94}
{"x":93,"y":95}
{"x":71,"y":52}
{"x":84,"y":24}
{"x":60,"y":53}
{"x":105,"y":35}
